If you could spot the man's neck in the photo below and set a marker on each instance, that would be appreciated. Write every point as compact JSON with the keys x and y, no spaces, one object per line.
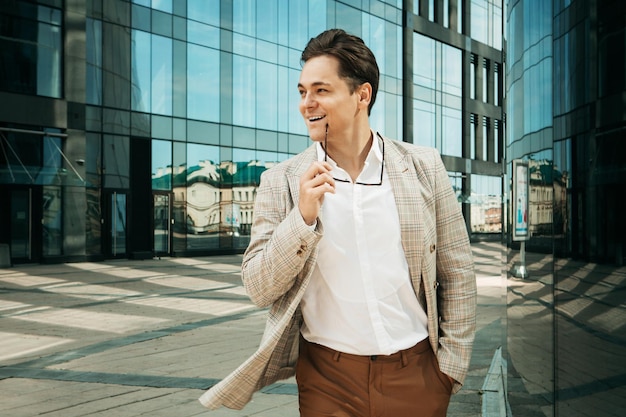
{"x":351,"y":152}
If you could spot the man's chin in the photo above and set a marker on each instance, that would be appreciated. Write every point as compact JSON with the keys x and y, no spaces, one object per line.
{"x":317,"y":131}
{"x":317,"y":137}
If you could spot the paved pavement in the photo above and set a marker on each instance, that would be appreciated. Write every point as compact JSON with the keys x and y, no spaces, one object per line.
{"x":147,"y":337}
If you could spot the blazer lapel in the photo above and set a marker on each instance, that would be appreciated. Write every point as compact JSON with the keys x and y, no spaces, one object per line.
{"x":407,"y":194}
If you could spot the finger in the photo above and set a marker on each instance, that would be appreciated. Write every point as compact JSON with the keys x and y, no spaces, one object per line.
{"x":317,"y":168}
{"x":322,"y":180}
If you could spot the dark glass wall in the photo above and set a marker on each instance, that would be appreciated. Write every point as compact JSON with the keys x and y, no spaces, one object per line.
{"x":566,"y":315}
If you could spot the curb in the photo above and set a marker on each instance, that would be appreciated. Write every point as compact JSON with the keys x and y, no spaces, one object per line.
{"x":493,"y":392}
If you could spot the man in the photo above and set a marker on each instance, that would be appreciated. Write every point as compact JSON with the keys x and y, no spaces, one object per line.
{"x":360,"y":250}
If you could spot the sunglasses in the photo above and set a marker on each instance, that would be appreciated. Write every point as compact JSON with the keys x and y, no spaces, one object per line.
{"x":382,"y":166}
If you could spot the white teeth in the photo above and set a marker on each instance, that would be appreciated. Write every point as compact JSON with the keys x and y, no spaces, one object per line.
{"x":313,"y":119}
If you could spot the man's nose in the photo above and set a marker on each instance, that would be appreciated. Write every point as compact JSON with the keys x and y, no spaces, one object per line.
{"x":308,"y":100}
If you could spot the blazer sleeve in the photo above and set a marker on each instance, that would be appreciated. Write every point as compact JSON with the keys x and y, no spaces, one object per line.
{"x":280,"y":243}
{"x":456,"y":291}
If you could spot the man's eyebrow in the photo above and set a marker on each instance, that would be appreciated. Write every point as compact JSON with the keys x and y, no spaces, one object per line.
{"x":314,"y":84}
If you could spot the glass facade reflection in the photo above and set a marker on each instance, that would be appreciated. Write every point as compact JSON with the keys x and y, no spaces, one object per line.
{"x":175,"y":108}
{"x":565,"y":321}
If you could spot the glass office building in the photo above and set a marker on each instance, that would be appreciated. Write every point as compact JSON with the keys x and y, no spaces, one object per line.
{"x":140,"y":128}
{"x":566,"y":124}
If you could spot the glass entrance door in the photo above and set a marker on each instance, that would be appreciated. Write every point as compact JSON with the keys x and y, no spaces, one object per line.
{"x":117,"y":224}
{"x":21,"y":224}
{"x":162,"y":223}
{"x":21,"y":209}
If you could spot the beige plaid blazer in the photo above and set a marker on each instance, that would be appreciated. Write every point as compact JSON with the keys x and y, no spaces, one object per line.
{"x":278,"y":263}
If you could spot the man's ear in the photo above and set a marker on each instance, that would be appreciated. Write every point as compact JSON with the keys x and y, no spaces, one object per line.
{"x":364,"y":93}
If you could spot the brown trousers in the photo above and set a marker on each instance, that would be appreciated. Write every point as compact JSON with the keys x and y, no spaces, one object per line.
{"x":405,"y":384}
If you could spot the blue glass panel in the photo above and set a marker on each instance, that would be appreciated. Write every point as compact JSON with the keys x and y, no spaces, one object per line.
{"x":374,"y":37}
{"x":423,"y":123}
{"x":141,"y":18}
{"x":244,"y":85}
{"x":348,"y":19}
{"x":424,"y":61}
{"x":163,"y":5}
{"x":162,"y":23}
{"x":296,"y":124}
{"x":267,"y":21}
{"x":285,"y":92}
{"x":379,"y":111}
{"x":480,"y":21}
{"x":179,"y":73}
{"x":146,"y":3}
{"x":161,"y":165}
{"x":267,"y":96}
{"x":283,"y":23}
{"x":451,"y":68}
{"x":266,"y":51}
{"x":162,"y":75}
{"x":49,"y":60}
{"x":203,"y":34}
{"x":141,"y":78}
{"x":204,"y":11}
{"x":451,"y":128}
{"x":161,"y":127}
{"x":93,"y":46}
{"x":203,"y":73}
{"x":244,"y":17}
{"x":244,"y":45}
{"x":298,"y":30}
{"x":317,"y":18}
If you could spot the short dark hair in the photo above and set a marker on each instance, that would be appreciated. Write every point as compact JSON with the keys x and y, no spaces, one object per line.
{"x":357,"y":63}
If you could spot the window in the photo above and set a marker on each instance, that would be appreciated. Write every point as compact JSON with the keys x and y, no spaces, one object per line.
{"x":30,"y":50}
{"x":94,"y":61}
{"x":485,"y":80}
{"x":437,"y":95}
{"x":161,"y":165}
{"x":486,"y":207}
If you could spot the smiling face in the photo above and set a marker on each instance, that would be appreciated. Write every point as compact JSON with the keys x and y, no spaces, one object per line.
{"x":325,"y":99}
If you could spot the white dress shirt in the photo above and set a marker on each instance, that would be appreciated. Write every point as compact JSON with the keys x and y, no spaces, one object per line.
{"x":360,"y":299}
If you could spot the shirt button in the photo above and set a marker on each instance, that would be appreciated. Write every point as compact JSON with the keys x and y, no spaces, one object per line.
{"x":432,"y":248}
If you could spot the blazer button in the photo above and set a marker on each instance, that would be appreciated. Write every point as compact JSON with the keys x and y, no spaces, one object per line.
{"x":432,"y":248}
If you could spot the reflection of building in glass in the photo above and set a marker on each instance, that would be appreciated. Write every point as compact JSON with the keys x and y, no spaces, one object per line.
{"x":486,"y":214}
{"x":566,"y":334}
{"x":540,"y":199}
{"x":218,"y":198}
{"x":176,"y":107}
